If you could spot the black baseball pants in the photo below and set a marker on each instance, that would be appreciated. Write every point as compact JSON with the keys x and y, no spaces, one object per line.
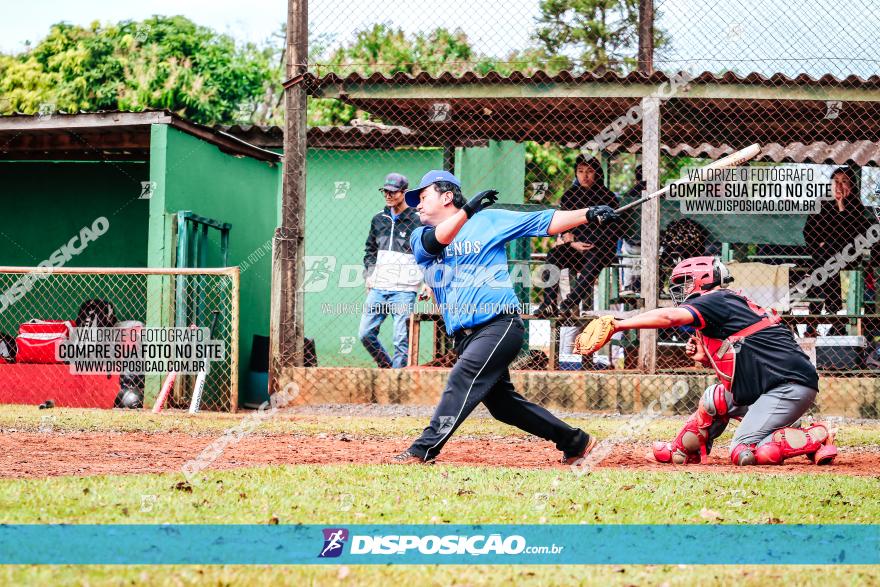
{"x":481,"y":375}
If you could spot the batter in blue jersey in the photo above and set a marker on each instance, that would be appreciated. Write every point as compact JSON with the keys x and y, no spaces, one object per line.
{"x":461,"y":248}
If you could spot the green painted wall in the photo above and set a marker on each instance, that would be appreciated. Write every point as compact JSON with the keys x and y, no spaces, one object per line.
{"x":191,"y":174}
{"x":773,"y":229}
{"x":45,"y":203}
{"x":500,"y":166}
{"x":342,"y":196}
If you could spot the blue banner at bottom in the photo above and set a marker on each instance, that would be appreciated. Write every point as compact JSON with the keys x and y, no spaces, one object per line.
{"x":441,"y":544}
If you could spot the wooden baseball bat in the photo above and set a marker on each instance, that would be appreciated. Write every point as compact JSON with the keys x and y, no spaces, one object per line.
{"x":166,"y":388}
{"x":731,"y":160}
{"x":195,"y":403}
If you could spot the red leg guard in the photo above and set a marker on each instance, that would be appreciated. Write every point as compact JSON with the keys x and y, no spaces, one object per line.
{"x":825,"y":455}
{"x":690,"y":444}
{"x":664,"y":452}
{"x":743,"y":454}
{"x":814,"y":441}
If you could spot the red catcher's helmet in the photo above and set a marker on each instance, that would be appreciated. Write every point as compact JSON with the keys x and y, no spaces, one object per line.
{"x":695,"y":276}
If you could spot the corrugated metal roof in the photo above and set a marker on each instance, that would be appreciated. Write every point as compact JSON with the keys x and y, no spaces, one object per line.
{"x":862,"y":153}
{"x":103,"y":134}
{"x":268,"y":137}
{"x":366,"y":135}
{"x":376,"y":136}
{"x":541,"y":77}
{"x":361,"y":136}
{"x":579,"y":120}
{"x":728,"y":114}
{"x":242,"y":139}
{"x":357,"y":135}
{"x":858,"y":152}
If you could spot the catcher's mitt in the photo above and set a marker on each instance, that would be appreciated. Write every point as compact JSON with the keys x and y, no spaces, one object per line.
{"x":596,"y":334}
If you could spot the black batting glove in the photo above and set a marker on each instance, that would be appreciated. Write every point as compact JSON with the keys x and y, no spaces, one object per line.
{"x":482,"y":200}
{"x":602,"y":214}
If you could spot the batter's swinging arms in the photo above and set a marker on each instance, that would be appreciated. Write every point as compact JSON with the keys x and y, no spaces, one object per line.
{"x":461,"y":249}
{"x":764,"y":378}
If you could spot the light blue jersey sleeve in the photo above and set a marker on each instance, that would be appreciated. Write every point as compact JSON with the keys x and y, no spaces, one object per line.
{"x":422,"y":256}
{"x":509,"y":225}
{"x":503,"y":225}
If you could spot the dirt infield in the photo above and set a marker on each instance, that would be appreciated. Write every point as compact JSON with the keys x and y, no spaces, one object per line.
{"x":27,"y":454}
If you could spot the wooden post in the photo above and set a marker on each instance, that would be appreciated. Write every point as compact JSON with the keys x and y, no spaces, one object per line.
{"x":650,"y":227}
{"x":286,"y":319}
{"x":651,"y":175}
{"x":553,"y":357}
{"x":646,"y":36}
{"x":415,"y":332}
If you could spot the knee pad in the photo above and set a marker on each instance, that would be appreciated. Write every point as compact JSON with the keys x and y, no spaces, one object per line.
{"x":791,"y":442}
{"x":691,"y":444}
{"x":714,"y":402}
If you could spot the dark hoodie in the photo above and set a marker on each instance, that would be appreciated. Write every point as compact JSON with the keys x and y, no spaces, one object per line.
{"x":604,"y":236}
{"x":830,"y":231}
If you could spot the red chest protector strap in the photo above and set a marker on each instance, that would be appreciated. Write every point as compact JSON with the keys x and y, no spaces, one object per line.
{"x":772,"y":319}
{"x":721,"y":354}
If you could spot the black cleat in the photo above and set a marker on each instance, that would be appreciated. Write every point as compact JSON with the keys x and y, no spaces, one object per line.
{"x":591,"y":444}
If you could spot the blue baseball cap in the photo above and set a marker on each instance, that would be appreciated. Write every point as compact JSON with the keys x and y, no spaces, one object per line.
{"x":430,"y":178}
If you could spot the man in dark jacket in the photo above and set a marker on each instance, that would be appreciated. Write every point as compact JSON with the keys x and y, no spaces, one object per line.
{"x":391,"y":273}
{"x":588,"y":248}
{"x":828,"y":233}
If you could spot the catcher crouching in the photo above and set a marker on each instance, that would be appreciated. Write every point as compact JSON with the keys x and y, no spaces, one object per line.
{"x":764,"y":378}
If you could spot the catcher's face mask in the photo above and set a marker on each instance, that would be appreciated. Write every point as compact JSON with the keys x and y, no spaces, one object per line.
{"x":696,"y":276}
{"x":680,"y":288}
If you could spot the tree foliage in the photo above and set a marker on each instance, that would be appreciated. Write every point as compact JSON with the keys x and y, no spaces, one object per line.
{"x":387,"y":50}
{"x":205,"y":76}
{"x":384,"y":49}
{"x":161,"y":62}
{"x":595,"y":35}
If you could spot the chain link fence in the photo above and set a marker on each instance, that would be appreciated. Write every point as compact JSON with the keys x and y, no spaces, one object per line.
{"x":569,"y":104}
{"x":39,"y":306}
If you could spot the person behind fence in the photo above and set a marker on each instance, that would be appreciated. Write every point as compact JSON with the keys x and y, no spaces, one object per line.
{"x":828,"y":233}
{"x":391,"y":274}
{"x":682,"y":238}
{"x":764,"y":378}
{"x":462,"y":250}
{"x":586,"y":249}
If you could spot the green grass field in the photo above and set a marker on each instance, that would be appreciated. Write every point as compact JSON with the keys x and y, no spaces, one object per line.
{"x":441,"y":494}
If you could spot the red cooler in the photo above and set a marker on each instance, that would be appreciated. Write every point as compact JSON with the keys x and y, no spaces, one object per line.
{"x":38,"y":340}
